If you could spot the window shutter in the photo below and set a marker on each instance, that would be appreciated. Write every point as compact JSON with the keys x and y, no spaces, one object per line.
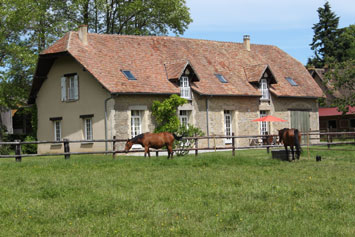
{"x":76,"y":88}
{"x":64,"y":89}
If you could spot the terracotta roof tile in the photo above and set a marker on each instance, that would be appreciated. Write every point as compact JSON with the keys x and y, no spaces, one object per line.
{"x":254,"y":72}
{"x":175,"y":69}
{"x":151,"y":58}
{"x":333,"y":111}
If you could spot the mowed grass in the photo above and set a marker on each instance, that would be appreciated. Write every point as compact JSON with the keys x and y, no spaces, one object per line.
{"x":214,"y":194}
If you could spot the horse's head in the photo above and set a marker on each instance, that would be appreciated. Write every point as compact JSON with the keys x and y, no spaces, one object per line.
{"x":128,"y":145}
{"x":281,"y":134}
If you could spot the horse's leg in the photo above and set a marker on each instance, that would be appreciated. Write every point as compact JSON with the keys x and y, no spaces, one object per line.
{"x":293,"y":153}
{"x":146,"y":150}
{"x":170,"y":151}
{"x":288,"y":158}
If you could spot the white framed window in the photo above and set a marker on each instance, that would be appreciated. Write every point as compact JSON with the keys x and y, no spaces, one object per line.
{"x":88,"y":131}
{"x":57,"y":130}
{"x":265,"y":95}
{"x":185,"y":90}
{"x":136,"y":122}
{"x":264,"y":128}
{"x":228,"y":125}
{"x":69,"y":87}
{"x":184,"y":118}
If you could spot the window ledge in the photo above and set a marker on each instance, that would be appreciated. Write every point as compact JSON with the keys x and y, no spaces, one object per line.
{"x":56,"y":145}
{"x":87,"y":143}
{"x":69,"y":101}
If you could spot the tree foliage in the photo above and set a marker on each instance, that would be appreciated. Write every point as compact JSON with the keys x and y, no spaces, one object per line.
{"x":325,"y":36}
{"x":334,"y":50}
{"x":341,"y":77}
{"x":29,"y":26}
{"x":165,"y":114}
{"x":138,"y":17}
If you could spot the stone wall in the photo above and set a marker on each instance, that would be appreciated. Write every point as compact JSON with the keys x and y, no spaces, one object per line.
{"x":243,"y":111}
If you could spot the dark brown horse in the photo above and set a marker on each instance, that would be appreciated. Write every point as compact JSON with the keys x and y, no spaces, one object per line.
{"x":153,"y":140}
{"x":291,"y":137}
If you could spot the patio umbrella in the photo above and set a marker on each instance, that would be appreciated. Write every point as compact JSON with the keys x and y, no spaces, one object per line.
{"x":269,"y":118}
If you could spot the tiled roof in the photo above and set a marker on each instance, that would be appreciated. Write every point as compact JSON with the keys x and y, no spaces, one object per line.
{"x":334,"y":111}
{"x":254,"y":72}
{"x":174,"y":70}
{"x":155,"y":59}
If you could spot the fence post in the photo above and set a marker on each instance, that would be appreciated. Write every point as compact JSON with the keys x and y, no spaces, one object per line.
{"x":18,"y":151}
{"x":114,"y":147}
{"x":308,"y":138}
{"x":66,"y":149}
{"x":214,"y":142}
{"x":196,"y":146}
{"x":328,"y":138}
{"x":233,"y":144}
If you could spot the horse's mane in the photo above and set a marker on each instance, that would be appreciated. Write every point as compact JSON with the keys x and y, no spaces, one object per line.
{"x":137,"y":138}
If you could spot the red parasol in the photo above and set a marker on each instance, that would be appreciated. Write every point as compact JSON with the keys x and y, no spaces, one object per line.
{"x":269,"y":118}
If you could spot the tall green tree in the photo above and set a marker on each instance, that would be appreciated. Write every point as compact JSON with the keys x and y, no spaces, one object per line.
{"x":325,"y":37}
{"x":346,"y":44}
{"x":29,"y":26}
{"x":137,"y":17}
{"x":341,"y":77}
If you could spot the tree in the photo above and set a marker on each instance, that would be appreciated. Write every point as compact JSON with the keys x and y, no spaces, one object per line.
{"x":341,"y":77}
{"x":165,"y":114}
{"x":134,"y":17}
{"x":324,"y":43}
{"x":346,"y":44}
{"x":29,"y":26}
{"x":341,"y":73}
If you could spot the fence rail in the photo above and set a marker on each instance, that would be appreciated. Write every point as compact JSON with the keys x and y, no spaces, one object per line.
{"x":264,"y":142}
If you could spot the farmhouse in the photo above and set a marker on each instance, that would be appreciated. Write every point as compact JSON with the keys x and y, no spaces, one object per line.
{"x":94,"y":86}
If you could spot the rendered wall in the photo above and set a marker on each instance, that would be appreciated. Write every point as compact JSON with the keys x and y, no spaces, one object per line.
{"x":91,"y":101}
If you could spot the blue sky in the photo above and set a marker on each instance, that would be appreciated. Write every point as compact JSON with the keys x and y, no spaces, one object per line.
{"x":284,"y":23}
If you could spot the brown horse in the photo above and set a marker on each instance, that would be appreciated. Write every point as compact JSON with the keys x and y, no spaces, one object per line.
{"x":291,"y":137}
{"x":153,"y":140}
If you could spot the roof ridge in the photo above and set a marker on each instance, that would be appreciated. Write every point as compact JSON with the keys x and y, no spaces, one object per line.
{"x":173,"y":37}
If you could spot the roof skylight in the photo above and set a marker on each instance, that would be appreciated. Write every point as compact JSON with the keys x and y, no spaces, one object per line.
{"x":291,"y":81}
{"x":129,"y":75}
{"x":221,"y":78}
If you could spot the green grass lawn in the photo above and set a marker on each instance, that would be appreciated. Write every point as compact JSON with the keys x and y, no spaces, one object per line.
{"x":214,"y":194}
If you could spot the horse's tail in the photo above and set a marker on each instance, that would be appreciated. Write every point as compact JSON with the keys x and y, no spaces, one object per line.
{"x":177,"y":137}
{"x":297,"y":143}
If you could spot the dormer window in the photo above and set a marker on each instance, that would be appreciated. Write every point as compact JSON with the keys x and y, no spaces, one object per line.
{"x":129,"y":75}
{"x":265,"y":95}
{"x":185,"y":90}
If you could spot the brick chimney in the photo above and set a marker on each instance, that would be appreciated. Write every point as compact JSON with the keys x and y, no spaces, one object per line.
{"x":246,"y":42}
{"x":83,"y":34}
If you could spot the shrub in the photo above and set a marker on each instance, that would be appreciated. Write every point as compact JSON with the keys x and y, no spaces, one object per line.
{"x":29,"y":148}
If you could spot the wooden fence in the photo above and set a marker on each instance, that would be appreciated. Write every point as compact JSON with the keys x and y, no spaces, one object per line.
{"x":264,"y":142}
